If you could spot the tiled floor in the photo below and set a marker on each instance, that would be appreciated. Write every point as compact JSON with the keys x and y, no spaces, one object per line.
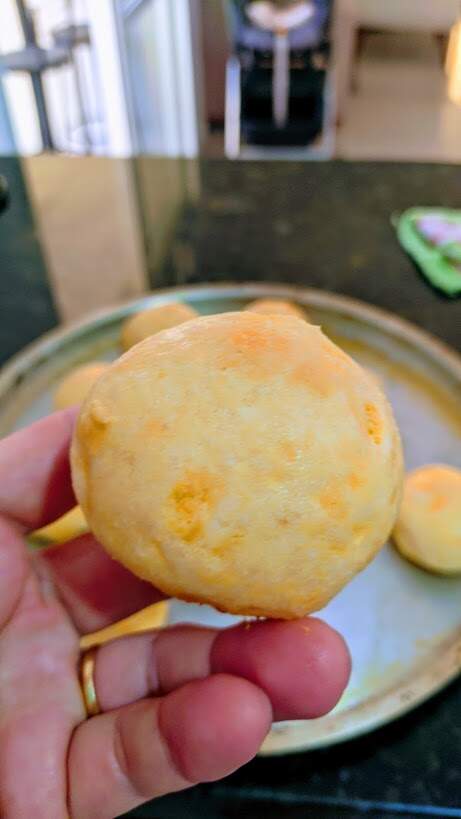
{"x":400,"y":109}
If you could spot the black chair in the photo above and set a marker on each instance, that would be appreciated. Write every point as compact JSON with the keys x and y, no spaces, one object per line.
{"x":275,"y":79}
{"x":4,"y":194}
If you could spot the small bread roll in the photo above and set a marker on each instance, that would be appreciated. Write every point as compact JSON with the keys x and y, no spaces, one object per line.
{"x":154,"y":616}
{"x":76,"y":384}
{"x":70,"y":525}
{"x":428,"y":528}
{"x":239,"y":460}
{"x":151,"y":321}
{"x":270,"y":307}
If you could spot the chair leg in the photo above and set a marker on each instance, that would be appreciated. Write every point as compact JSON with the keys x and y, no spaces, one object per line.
{"x":442,"y":44}
{"x":360,"y":41}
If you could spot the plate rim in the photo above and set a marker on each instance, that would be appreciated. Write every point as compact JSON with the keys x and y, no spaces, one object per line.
{"x":326,"y":299}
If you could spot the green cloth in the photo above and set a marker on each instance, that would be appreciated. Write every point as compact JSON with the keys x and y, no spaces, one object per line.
{"x":440,"y":263}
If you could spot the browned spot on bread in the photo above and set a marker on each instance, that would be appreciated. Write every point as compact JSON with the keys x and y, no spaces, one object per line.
{"x":331,"y":501}
{"x":355,"y":481}
{"x":359,"y":530}
{"x":289,"y":450}
{"x":259,"y":338}
{"x":227,"y":543}
{"x":338,"y":547}
{"x":374,"y":422}
{"x":190,"y":504}
{"x":155,"y":427}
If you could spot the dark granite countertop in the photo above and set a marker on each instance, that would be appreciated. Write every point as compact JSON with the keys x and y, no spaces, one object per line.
{"x":26,"y":303}
{"x":325,"y":225}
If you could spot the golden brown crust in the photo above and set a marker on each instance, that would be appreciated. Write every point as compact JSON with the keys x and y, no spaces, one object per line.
{"x":240,"y":460}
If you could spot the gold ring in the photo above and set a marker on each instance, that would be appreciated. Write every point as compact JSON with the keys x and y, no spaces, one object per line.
{"x":90,"y":698}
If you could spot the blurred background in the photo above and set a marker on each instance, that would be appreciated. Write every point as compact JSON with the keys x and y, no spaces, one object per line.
{"x":154,"y":143}
{"x":203,"y":84}
{"x":315,"y":79}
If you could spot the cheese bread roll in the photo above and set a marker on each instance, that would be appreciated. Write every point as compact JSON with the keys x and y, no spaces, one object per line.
{"x":151,"y":321}
{"x":428,"y":528}
{"x":240,"y":460}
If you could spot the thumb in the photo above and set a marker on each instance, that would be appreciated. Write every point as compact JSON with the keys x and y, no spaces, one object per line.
{"x":13,"y":569}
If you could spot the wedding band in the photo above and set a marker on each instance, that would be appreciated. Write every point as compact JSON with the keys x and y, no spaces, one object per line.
{"x":89,"y":695}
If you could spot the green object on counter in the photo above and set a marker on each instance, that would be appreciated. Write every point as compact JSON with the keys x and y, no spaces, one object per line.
{"x":451,"y":251}
{"x":439,"y":263}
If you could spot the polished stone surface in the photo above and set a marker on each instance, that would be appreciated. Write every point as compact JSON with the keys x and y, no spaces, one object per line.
{"x":26,"y":304}
{"x":324,"y":225}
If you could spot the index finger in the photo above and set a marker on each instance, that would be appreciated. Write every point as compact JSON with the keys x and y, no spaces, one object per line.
{"x":35,"y":481}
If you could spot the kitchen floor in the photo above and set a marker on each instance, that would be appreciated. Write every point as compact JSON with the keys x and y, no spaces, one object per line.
{"x":399,"y":108}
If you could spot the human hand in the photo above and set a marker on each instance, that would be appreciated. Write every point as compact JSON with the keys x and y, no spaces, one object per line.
{"x":181,"y":706}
